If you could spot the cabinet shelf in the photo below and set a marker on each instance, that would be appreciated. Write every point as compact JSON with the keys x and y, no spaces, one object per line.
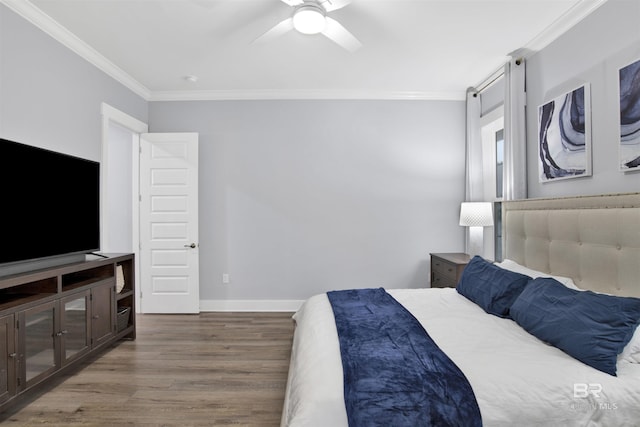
{"x":10,"y":301}
{"x":26,"y":293}
{"x":55,"y":317}
{"x":124,"y":294}
{"x":86,"y":277}
{"x":125,"y":297}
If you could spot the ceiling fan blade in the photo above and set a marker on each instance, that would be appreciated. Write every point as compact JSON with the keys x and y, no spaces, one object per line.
{"x":331,"y":5}
{"x":341,"y":36}
{"x":293,"y":3}
{"x":275,"y":32}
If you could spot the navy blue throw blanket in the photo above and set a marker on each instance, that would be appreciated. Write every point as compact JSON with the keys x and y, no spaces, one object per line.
{"x":394,"y":374}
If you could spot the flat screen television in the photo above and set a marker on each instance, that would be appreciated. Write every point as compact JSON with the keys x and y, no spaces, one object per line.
{"x":50,"y":204}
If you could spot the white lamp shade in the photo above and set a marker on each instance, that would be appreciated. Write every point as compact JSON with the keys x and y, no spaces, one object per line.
{"x":309,"y":19}
{"x":476,"y":214}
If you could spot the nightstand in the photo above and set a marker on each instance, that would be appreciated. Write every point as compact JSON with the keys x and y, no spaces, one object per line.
{"x":446,"y":269}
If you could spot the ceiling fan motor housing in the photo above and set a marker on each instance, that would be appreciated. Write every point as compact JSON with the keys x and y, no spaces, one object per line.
{"x":309,"y":18}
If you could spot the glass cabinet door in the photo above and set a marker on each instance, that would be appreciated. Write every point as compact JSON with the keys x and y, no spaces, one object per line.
{"x":7,"y":358}
{"x":38,"y":325}
{"x":75,"y":326}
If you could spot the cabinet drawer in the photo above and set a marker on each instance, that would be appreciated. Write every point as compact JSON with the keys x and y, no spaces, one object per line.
{"x":438,"y":281}
{"x":444,"y":268}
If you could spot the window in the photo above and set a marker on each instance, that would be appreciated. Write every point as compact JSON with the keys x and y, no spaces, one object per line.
{"x":492,"y":130}
{"x":499,"y":139}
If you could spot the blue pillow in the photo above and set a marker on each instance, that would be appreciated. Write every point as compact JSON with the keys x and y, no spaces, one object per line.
{"x":591,"y":327}
{"x":491,"y":287}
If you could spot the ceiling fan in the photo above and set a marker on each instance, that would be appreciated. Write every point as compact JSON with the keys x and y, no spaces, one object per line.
{"x":310,"y":17}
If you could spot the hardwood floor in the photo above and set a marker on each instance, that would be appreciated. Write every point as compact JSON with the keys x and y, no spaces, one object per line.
{"x":186,"y":370}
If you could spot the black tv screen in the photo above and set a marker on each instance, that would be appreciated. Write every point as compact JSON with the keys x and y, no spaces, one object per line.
{"x":50,"y":203}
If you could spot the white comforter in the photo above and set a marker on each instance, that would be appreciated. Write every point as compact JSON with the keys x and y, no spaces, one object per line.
{"x":517,"y":379}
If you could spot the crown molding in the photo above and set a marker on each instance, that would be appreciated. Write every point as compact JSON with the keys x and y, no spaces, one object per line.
{"x":564,"y":23}
{"x":280,"y":94}
{"x":37,"y":17}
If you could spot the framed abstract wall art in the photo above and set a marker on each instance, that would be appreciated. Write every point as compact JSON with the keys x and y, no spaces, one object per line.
{"x":629,"y":151}
{"x":564,"y":136}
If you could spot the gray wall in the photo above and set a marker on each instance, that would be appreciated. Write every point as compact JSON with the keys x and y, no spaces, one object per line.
{"x":118,"y":237}
{"x":592,"y":52}
{"x":49,"y":96}
{"x":296,"y":197}
{"x":300,"y":197}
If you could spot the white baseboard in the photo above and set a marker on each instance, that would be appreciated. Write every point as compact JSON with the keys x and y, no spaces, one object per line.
{"x":250,"y":305}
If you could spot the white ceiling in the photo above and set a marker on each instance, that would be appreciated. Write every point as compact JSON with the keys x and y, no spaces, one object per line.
{"x":424,"y":49}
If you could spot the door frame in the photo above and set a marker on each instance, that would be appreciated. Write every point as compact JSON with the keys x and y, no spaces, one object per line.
{"x":111,"y":115}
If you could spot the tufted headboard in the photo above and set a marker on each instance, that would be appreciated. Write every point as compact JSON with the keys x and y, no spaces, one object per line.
{"x":595,"y":240}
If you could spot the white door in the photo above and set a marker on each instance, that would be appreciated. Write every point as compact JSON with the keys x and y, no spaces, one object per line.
{"x":169,"y":223}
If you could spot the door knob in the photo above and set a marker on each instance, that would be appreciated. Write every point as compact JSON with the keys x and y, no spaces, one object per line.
{"x":192,"y":246}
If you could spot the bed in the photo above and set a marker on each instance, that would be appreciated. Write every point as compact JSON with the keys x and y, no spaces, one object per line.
{"x":516,"y":375}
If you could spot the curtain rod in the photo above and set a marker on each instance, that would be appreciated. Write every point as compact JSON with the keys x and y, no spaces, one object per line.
{"x":490,"y":82}
{"x":493,"y":77}
{"x":519,"y":56}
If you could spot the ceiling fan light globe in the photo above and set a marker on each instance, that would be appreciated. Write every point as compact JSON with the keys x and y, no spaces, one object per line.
{"x":309,"y":20}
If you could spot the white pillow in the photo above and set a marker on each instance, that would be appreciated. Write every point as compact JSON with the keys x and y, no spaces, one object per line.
{"x":631,"y":352}
{"x":508,"y":264}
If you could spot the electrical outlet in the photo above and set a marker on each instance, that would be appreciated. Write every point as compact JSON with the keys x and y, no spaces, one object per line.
{"x":225,"y":278}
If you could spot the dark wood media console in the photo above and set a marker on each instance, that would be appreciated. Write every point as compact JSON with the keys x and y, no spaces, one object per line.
{"x":52,"y":318}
